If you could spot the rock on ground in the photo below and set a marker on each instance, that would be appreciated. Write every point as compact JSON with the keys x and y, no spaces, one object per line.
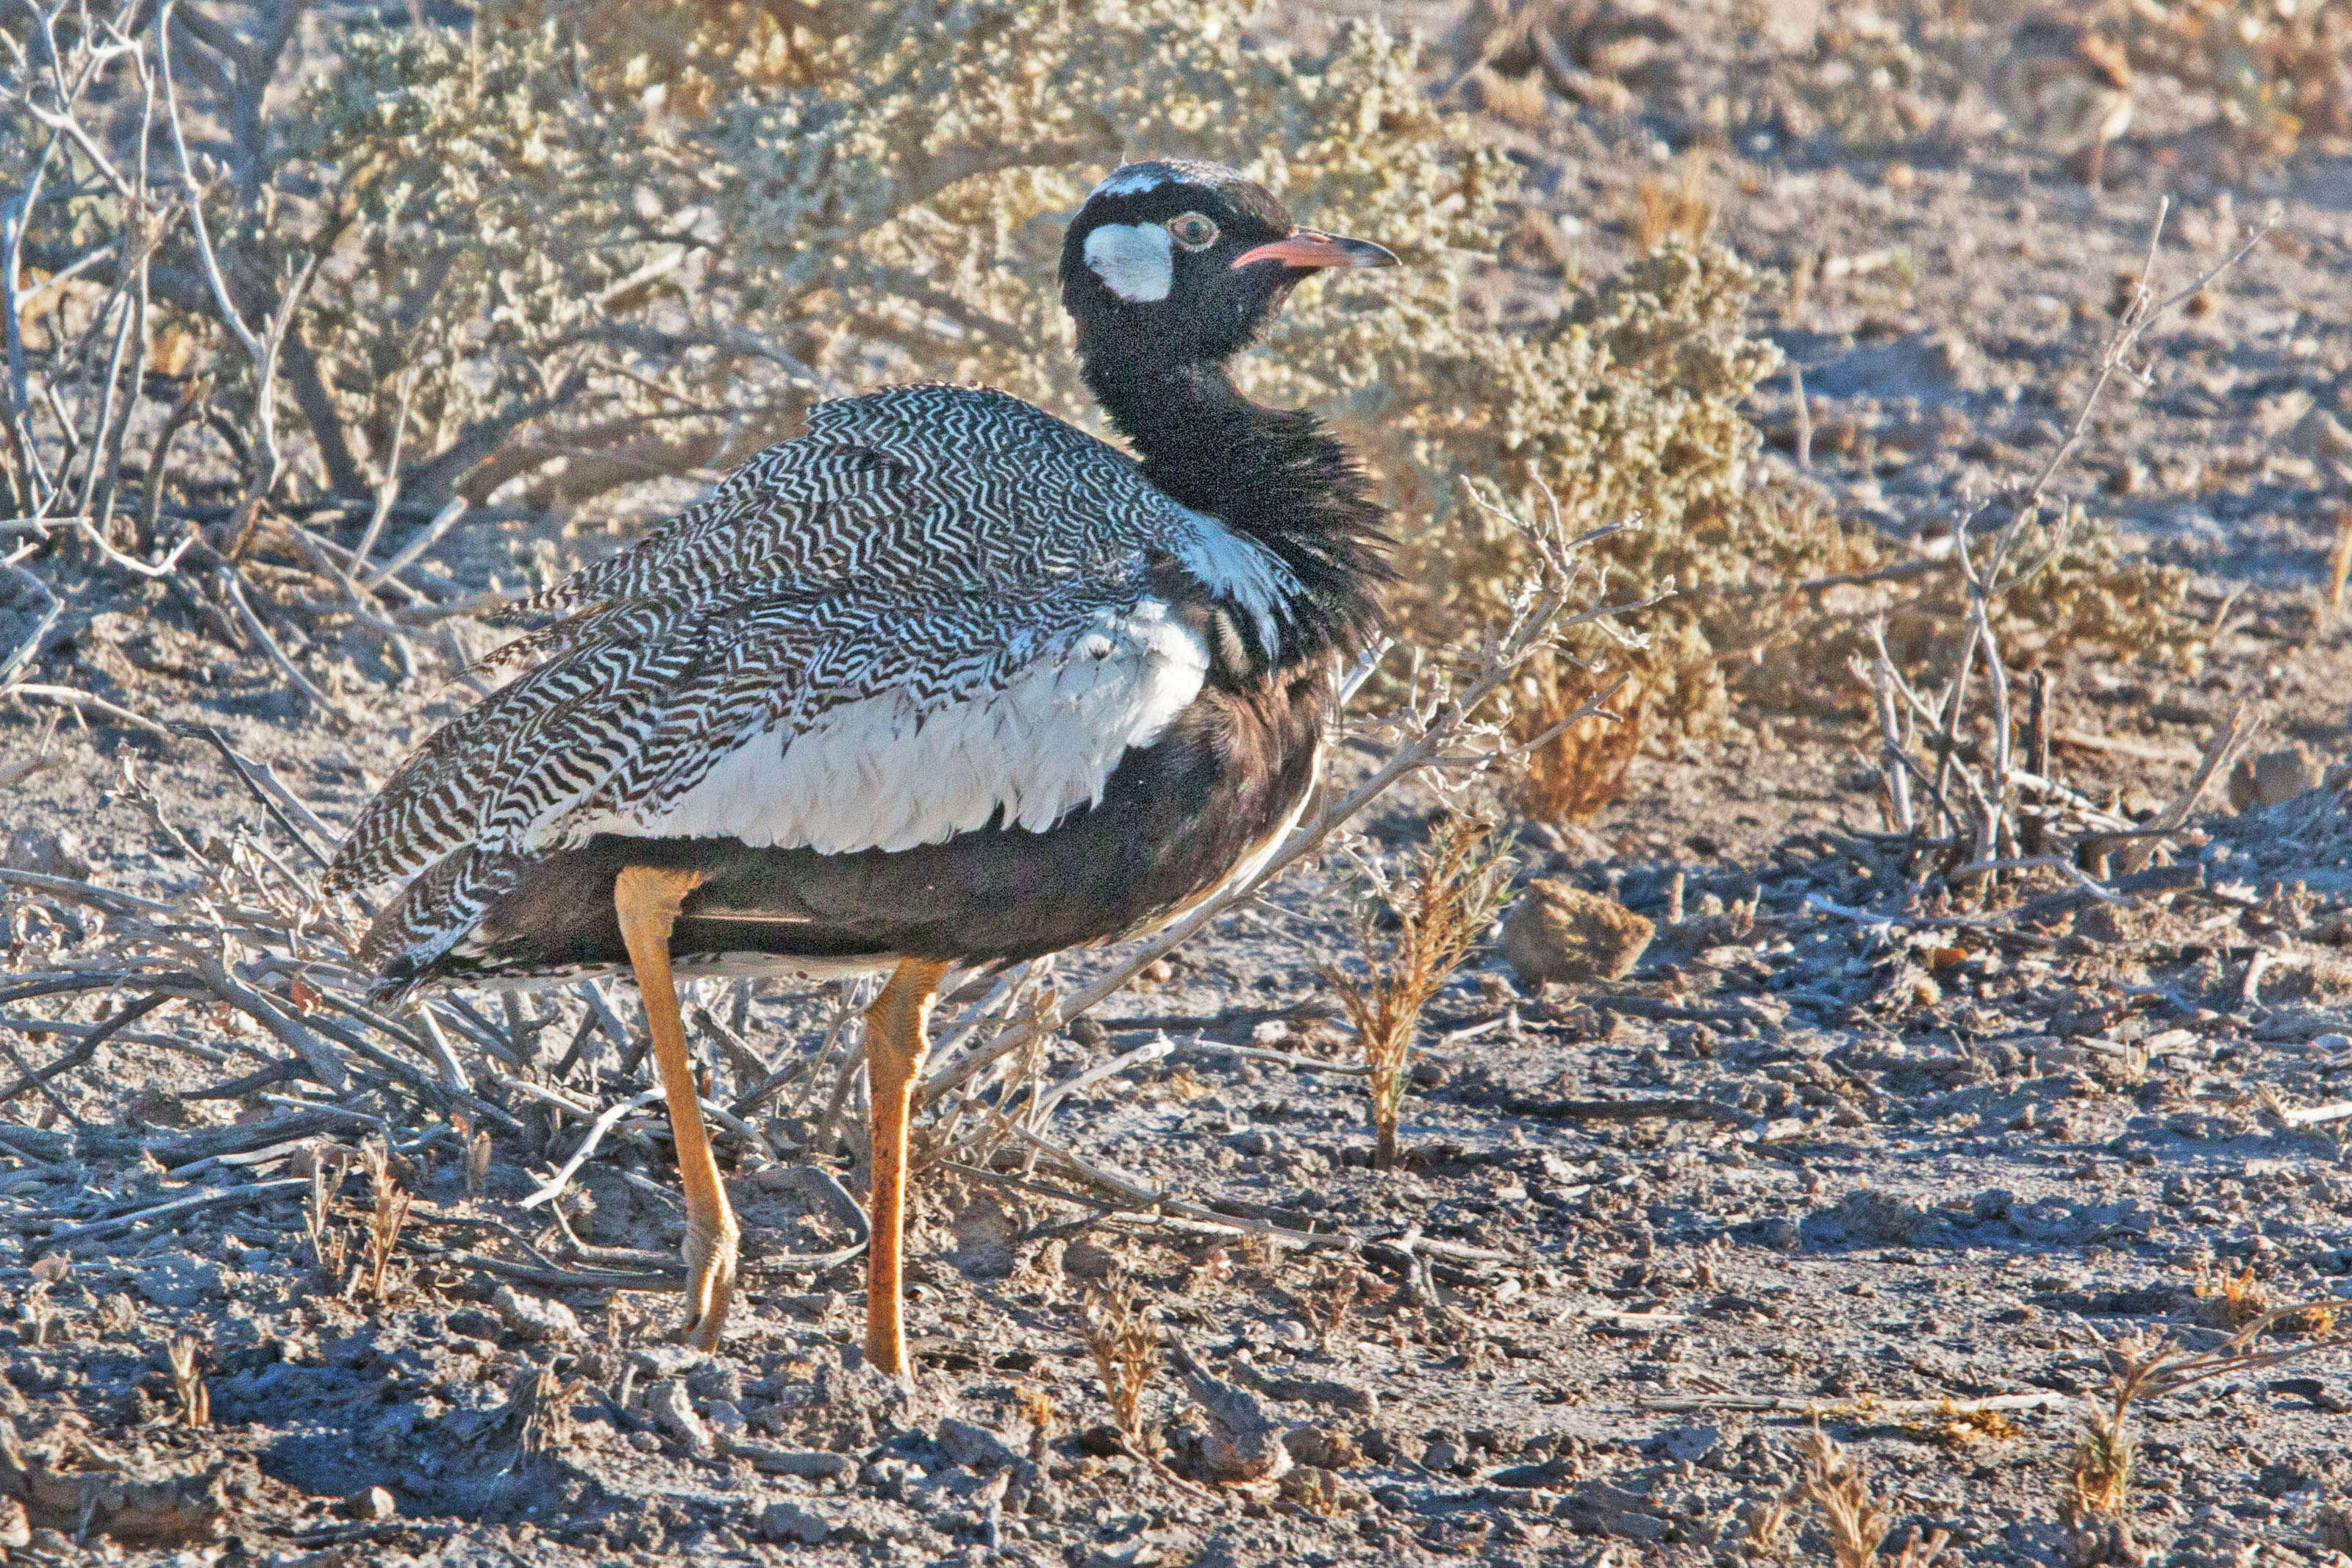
{"x":1557,"y":931}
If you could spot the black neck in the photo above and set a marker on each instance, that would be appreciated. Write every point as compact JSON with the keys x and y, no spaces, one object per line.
{"x":1271,"y":473}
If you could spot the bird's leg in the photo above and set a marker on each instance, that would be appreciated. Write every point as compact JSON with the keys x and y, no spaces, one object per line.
{"x":647,"y":899}
{"x":894,"y":1057}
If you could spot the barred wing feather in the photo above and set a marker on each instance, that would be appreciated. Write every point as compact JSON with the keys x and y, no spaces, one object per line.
{"x":930,"y":611}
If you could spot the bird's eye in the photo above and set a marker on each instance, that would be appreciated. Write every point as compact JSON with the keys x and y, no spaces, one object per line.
{"x":1192,"y":231}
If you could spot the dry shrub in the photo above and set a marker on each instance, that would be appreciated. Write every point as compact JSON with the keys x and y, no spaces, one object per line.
{"x":1869,"y":74}
{"x":1576,"y":772}
{"x":1874,"y":75}
{"x":1450,"y":893}
{"x":575,"y":258}
{"x":1123,"y":1336}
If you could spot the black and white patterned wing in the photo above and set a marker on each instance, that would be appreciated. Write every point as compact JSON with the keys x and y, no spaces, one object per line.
{"x":932,"y":610}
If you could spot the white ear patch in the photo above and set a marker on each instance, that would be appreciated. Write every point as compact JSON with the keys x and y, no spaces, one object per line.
{"x":1132,"y":260}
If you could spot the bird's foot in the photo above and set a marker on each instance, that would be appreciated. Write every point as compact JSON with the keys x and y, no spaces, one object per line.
{"x":710,"y":1253}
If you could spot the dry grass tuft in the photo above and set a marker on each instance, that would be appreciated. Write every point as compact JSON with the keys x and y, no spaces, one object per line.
{"x":1766,"y":1534}
{"x":2340,"y":559}
{"x":1837,"y":1485}
{"x":2332,"y":1524}
{"x":539,"y":1407}
{"x":188,"y":1383}
{"x":1919,"y":1551}
{"x":2099,"y":1469}
{"x":386,"y":1221}
{"x":2229,"y":1301}
{"x":1123,"y":1335}
{"x":1679,"y":208}
{"x":36,"y":1310}
{"x":1954,"y":1428}
{"x":1318,"y":1490}
{"x":1451,"y":891}
{"x":330,"y":1243}
{"x":1045,"y":1416}
{"x":1857,"y":1526}
{"x":1331,"y":1301}
{"x":476,"y":1143}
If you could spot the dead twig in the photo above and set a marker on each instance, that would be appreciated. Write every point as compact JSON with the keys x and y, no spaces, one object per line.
{"x":1976,"y":804}
{"x":67,"y":1235}
{"x":87,"y":1049}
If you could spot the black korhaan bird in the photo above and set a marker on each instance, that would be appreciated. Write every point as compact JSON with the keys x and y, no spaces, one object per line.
{"x":939,"y":682}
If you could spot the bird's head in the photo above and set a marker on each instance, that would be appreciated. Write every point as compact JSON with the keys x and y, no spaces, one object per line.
{"x":1175,"y":262}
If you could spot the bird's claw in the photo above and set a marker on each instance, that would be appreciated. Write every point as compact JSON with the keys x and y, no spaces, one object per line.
{"x":711,"y":1255}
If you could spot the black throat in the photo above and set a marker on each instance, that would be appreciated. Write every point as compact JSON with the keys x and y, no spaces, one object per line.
{"x":1273,"y":475}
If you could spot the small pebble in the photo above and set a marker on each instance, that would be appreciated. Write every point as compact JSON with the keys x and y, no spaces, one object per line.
{"x":534,"y":1317}
{"x":672,"y":1410}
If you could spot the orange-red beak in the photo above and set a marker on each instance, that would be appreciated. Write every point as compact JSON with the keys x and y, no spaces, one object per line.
{"x":1308,"y":250}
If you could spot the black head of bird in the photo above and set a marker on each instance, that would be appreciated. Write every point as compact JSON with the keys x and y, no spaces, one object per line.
{"x":1172,"y":263}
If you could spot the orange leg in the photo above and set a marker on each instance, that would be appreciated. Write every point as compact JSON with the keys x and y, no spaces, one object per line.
{"x":894,"y":1059}
{"x":648,"y":899}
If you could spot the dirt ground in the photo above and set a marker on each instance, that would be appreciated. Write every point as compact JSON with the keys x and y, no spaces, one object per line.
{"x":1795,"y":1167}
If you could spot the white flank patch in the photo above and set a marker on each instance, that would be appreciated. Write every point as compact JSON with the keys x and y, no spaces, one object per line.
{"x":1234,"y":567}
{"x":1132,"y":260}
{"x":1133,"y":180}
{"x":880,"y":774}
